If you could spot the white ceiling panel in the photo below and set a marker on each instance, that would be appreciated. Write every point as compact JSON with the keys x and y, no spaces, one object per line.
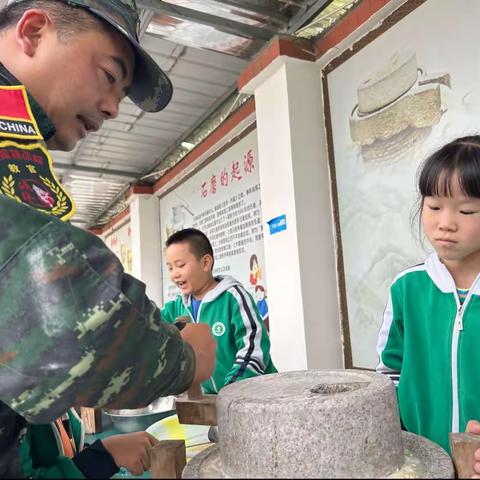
{"x":227,"y":77}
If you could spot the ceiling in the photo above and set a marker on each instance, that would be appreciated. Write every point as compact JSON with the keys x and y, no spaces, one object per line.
{"x":203,"y":45}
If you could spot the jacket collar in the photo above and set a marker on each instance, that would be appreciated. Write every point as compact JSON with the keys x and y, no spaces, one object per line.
{"x":225,"y":282}
{"x":442,"y":278}
{"x":44,"y":124}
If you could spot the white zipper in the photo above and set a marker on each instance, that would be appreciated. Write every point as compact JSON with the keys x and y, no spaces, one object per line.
{"x":457,"y":328}
{"x":459,"y":319}
{"x":198,"y":313}
{"x":188,"y":311}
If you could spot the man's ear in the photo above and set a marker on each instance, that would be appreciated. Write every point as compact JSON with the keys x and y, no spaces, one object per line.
{"x":31,"y":29}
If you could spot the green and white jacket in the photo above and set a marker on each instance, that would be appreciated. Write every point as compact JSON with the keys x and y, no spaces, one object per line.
{"x":243,"y":345}
{"x":429,"y":346}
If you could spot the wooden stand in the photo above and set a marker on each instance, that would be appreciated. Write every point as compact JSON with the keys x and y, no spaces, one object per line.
{"x":168,"y":459}
{"x":196,"y":408}
{"x":92,"y":419}
{"x":463,"y":446}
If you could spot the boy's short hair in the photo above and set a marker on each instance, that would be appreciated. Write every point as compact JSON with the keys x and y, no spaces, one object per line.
{"x":199,"y":243}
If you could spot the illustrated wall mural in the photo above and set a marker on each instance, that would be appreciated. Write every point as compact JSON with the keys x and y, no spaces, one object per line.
{"x":396,"y":96}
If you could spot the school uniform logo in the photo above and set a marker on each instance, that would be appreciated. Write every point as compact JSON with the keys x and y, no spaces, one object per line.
{"x":26,"y":176}
{"x":218,"y":329}
{"x":16,"y":118}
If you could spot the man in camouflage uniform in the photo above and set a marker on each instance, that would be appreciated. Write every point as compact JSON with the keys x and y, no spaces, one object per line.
{"x":75,"y":330}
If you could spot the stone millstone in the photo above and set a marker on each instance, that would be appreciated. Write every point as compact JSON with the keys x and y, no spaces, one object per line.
{"x":326,"y":424}
{"x":389,"y":83}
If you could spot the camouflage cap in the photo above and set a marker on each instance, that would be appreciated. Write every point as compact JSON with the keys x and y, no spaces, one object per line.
{"x":151,"y":89}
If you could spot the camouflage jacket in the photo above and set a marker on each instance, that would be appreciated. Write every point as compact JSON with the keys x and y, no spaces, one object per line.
{"x":75,"y":329}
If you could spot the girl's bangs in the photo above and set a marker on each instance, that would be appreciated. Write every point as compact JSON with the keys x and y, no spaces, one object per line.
{"x":438,"y":177}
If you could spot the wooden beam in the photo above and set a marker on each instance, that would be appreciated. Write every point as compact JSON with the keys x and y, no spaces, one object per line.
{"x":92,"y":419}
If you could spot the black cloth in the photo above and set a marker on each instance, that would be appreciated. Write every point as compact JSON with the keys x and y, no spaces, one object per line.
{"x":94,"y":461}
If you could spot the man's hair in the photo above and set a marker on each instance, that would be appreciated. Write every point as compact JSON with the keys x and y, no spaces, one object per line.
{"x":68,"y":20}
{"x":199,"y":243}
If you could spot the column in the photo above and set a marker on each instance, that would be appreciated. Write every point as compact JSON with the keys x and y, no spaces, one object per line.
{"x":294,"y":179}
{"x":146,"y":244}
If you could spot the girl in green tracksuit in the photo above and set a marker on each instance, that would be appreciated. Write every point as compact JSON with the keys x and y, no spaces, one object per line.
{"x":429,"y":340}
{"x":243,"y":345}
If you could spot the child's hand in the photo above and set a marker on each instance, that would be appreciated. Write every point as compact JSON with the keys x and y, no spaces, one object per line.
{"x":131,"y":450}
{"x":473,"y":426}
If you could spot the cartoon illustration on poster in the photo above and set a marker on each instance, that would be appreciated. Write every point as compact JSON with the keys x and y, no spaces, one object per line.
{"x":260,"y":293}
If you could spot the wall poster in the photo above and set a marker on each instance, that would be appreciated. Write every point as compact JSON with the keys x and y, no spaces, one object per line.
{"x":223,"y":201}
{"x":120,"y":242}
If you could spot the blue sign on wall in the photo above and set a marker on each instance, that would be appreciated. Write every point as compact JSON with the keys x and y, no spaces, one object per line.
{"x":277,"y":224}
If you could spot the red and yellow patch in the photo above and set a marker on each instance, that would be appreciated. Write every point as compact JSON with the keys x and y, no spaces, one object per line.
{"x":26,"y":175}
{"x":16,"y":118}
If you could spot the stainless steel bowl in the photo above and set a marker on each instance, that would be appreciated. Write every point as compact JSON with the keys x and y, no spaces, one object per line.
{"x":133,"y":420}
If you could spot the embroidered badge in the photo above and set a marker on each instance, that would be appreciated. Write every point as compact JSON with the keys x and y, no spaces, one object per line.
{"x":26,"y":175}
{"x":16,"y":118}
{"x":218,"y":329}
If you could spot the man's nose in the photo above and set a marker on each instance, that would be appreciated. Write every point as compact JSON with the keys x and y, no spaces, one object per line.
{"x":110,"y":107}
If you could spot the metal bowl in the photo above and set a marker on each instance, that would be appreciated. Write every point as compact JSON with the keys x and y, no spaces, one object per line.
{"x":133,"y":420}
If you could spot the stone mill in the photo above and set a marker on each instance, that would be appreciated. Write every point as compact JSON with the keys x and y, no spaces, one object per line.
{"x":318,"y":424}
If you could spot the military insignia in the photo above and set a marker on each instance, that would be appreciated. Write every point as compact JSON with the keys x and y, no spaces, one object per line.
{"x":26,"y":175}
{"x":16,"y":118}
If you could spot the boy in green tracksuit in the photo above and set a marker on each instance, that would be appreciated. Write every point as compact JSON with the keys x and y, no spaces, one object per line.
{"x":243,"y":345}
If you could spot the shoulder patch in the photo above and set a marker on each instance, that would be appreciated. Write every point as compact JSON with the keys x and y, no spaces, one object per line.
{"x":26,"y":175}
{"x":16,"y":117}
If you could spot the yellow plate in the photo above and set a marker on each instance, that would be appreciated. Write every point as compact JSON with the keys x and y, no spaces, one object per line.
{"x":195,"y":436}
